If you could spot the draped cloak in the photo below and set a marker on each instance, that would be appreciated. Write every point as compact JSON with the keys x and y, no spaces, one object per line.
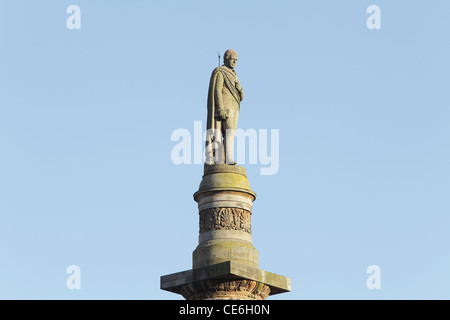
{"x":230,"y":79}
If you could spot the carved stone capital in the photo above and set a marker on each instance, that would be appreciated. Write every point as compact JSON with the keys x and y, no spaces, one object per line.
{"x":225,"y":289}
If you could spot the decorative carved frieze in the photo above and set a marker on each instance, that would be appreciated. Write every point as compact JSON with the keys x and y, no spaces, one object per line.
{"x":218,"y":289}
{"x":225,"y":219}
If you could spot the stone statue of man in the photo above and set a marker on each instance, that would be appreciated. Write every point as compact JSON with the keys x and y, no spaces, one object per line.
{"x":224,"y":97}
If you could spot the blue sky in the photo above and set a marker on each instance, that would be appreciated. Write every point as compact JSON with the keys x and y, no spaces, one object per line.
{"x":86,"y":116}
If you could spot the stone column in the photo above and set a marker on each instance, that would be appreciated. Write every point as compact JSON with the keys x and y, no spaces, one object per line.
{"x":225,"y":264}
{"x":225,"y":207}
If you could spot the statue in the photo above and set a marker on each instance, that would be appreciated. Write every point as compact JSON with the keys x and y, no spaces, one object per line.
{"x":224,"y":97}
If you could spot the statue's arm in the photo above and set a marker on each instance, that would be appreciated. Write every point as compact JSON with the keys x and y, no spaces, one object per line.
{"x":218,"y":92}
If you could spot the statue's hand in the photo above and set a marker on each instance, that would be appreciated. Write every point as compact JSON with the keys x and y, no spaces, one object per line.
{"x":223,"y":115}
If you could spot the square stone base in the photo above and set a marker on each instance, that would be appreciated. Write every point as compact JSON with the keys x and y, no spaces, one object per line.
{"x":226,"y":280}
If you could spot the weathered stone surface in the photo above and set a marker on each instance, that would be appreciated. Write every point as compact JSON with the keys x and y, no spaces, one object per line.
{"x":223,"y":177}
{"x":195,"y":279}
{"x":222,"y":250}
{"x":225,"y":199}
{"x":224,"y":235}
{"x":225,"y":264}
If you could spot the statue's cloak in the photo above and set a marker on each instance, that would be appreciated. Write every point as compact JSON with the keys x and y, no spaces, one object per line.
{"x":229,"y":81}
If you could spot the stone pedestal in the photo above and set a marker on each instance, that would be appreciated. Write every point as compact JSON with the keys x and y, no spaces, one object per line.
{"x":225,"y":264}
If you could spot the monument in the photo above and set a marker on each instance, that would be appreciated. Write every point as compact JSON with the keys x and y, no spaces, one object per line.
{"x":225,"y":263}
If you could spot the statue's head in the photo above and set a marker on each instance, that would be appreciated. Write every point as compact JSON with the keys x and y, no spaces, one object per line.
{"x":230,"y":58}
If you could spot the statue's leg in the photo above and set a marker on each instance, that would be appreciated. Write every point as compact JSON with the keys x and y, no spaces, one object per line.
{"x":209,"y":147}
{"x":230,"y":128}
{"x":218,"y":143}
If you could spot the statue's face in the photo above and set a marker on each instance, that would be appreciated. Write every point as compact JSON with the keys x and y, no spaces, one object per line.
{"x":231,"y":62}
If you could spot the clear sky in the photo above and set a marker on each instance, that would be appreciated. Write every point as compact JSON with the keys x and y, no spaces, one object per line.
{"x":86,"y":117}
